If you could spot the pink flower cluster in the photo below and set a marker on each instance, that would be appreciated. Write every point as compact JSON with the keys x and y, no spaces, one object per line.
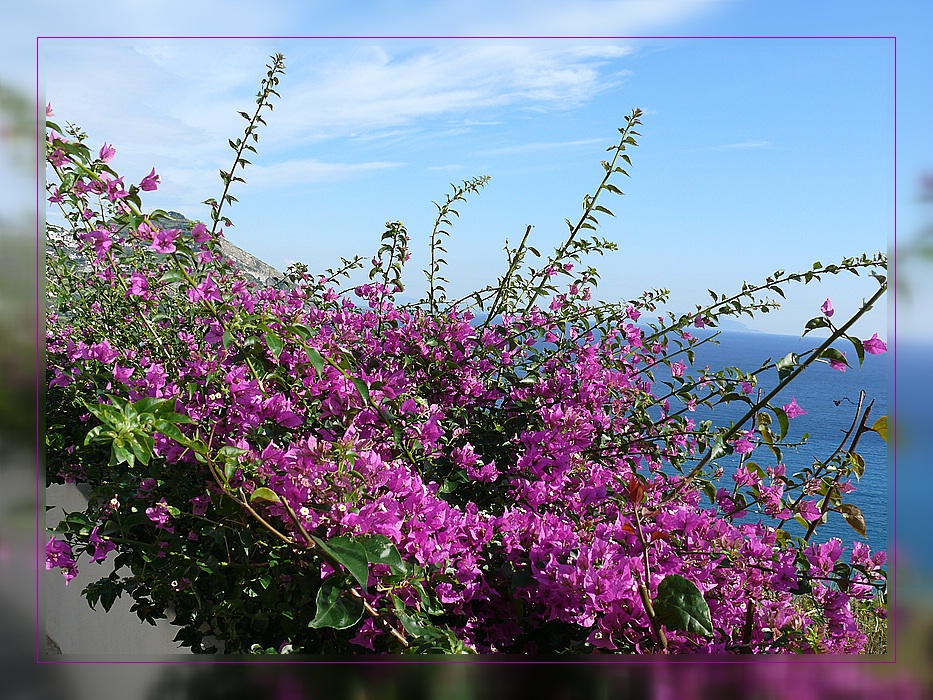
{"x":545,"y":531}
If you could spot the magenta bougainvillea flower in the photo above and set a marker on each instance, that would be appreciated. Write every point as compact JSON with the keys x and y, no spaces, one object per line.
{"x":100,"y":239}
{"x":58,"y":554}
{"x":164,"y":241}
{"x":150,"y":182}
{"x":139,"y":285}
{"x":101,"y":546}
{"x":159,"y":514}
{"x":743,"y":445}
{"x":792,"y":409}
{"x":810,"y":510}
{"x":874,"y":345}
{"x":200,"y":234}
{"x":838,"y":365}
{"x":827,"y":308}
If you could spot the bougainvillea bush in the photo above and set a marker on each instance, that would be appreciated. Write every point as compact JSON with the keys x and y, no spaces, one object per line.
{"x":311,"y":467}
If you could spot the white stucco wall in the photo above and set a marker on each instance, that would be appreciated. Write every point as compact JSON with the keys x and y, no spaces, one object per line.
{"x":74,"y":627}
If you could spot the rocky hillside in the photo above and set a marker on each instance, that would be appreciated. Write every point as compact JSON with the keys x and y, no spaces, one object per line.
{"x":251,"y":266}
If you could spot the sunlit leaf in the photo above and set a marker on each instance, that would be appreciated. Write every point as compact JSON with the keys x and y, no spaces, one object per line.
{"x":264,"y":494}
{"x":853,"y":515}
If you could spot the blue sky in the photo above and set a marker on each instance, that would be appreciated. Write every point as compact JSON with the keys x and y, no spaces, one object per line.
{"x":755,"y":154}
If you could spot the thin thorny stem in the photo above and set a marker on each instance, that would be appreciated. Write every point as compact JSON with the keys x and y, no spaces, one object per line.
{"x":753,"y":411}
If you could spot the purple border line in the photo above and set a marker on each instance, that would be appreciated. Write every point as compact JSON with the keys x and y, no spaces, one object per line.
{"x":774,"y":659}
{"x":40,"y":388}
{"x":892,"y":538}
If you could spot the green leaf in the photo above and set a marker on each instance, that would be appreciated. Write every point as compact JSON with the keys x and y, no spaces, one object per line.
{"x":785,"y":366}
{"x":172,"y":276}
{"x":709,"y":488}
{"x":414,"y":624}
{"x":814,"y":323}
{"x":107,"y":598}
{"x":381,"y":550}
{"x":110,"y":415}
{"x":264,"y":494}
{"x":783,"y":421}
{"x":274,"y":343}
{"x":881,"y":427}
{"x":719,"y":448}
{"x":853,"y":515}
{"x":229,"y":452}
{"x":170,"y":430}
{"x":362,"y":388}
{"x":859,"y":348}
{"x":336,"y":607}
{"x":680,"y":605}
{"x":149,"y":404}
{"x":119,"y":454}
{"x":317,"y":360}
{"x":350,"y":554}
{"x":834,"y":355}
{"x":857,"y":462}
{"x":142,"y":447}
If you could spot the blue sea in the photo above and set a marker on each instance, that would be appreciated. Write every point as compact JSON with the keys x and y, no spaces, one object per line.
{"x":829,"y":398}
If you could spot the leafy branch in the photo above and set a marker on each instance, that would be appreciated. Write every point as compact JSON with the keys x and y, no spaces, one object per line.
{"x":436,"y":290}
{"x":240,"y":145}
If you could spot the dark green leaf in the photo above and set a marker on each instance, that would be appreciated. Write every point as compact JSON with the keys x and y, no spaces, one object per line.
{"x":814,"y":323}
{"x":415,"y":625}
{"x":172,"y":276}
{"x":381,"y":550}
{"x":859,"y":349}
{"x":336,"y":607}
{"x":316,"y":360}
{"x":785,"y":366}
{"x":782,"y":421}
{"x":681,"y":606}
{"x":834,"y":356}
{"x":719,"y":448}
{"x":149,"y":404}
{"x":142,"y":446}
{"x":362,"y":388}
{"x":350,"y":554}
{"x":274,"y":343}
{"x":119,"y":454}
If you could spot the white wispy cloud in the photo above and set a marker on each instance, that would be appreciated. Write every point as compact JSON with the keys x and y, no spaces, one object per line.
{"x":539,"y":146}
{"x":358,"y":89}
{"x":308,"y":171}
{"x":174,"y":104}
{"x":184,"y":95}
